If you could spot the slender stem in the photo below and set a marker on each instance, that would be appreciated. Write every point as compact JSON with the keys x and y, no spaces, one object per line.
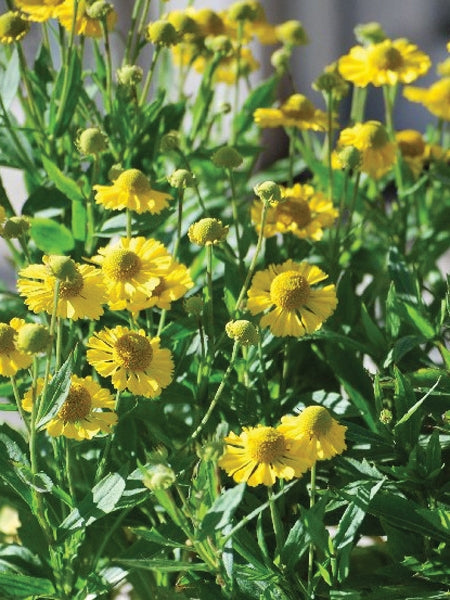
{"x":107,"y":449}
{"x":209,"y":300}
{"x":69,"y":469}
{"x":66,"y":81}
{"x":129,"y":228}
{"x":20,"y":149}
{"x":292,"y":135}
{"x":358,"y":103}
{"x":149,"y":78}
{"x":90,"y":215}
{"x":276,"y":524}
{"x":18,"y":400}
{"x":312,"y":501}
{"x":196,"y":188}
{"x":179,"y":222}
{"x":236,"y":217}
{"x":59,"y":328}
{"x":131,"y":31}
{"x":330,"y":144}
{"x":240,"y":32}
{"x":109,"y":91}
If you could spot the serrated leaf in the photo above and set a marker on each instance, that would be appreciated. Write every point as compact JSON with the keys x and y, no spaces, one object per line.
{"x":51,"y":237}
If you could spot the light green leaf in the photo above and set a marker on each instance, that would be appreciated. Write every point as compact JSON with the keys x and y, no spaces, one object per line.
{"x":51,"y":237}
{"x":65,"y":184}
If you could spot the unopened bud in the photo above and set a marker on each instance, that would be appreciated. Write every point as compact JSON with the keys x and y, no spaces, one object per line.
{"x":291,"y":33}
{"x":162,"y":33}
{"x":194,"y":306}
{"x":129,"y":75}
{"x":181,"y":178}
{"x":349,"y":158}
{"x":219,"y":43}
{"x":63,"y":267}
{"x":369,"y":33}
{"x":269,"y":191}
{"x":207,"y":231}
{"x":158,"y":477}
{"x":33,"y":338}
{"x":227,"y":157}
{"x":99,"y":9}
{"x":385,"y":416}
{"x":242,"y":11}
{"x":15,"y":227}
{"x":242,"y":331}
{"x":280,"y":59}
{"x":170,"y":141}
{"x":91,"y":141}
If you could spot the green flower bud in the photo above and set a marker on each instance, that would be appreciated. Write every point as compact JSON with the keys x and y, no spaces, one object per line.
{"x":115,"y":171}
{"x":184,"y":24}
{"x":15,"y":227}
{"x":207,"y":231}
{"x":129,"y":75}
{"x":91,"y":141}
{"x":194,"y":306}
{"x":162,"y":33}
{"x":211,"y":451}
{"x":269,"y":191}
{"x":280,"y":59}
{"x":242,"y":331}
{"x":291,"y":33}
{"x":349,"y":158}
{"x":63,"y":268}
{"x":99,"y":9}
{"x":227,"y":157}
{"x":242,"y":11}
{"x":220,"y":44}
{"x":369,"y":33}
{"x":33,"y":338}
{"x":330,"y":81}
{"x":181,"y":178}
{"x":158,"y":477}
{"x":170,"y":141}
{"x":385,"y":416}
{"x":13,"y":27}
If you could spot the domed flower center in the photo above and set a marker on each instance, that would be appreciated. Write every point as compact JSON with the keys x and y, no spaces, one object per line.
{"x":289,"y":290}
{"x":77,"y":405}
{"x":295,"y":212}
{"x":7,"y":334}
{"x":266,"y":444}
{"x":134,"y":181}
{"x":373,"y":135}
{"x":410,"y":143}
{"x":384,"y":56}
{"x":12,"y":25}
{"x":133,"y":351}
{"x":315,"y":421}
{"x":69,"y":289}
{"x":121,"y":264}
{"x":298,"y":107}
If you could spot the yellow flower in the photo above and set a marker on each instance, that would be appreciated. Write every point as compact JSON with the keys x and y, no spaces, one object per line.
{"x":38,"y":10}
{"x":132,"y":360}
{"x":372,"y":140}
{"x":295,"y":308}
{"x":80,"y":297}
{"x":132,"y":269}
{"x":226,"y":72}
{"x":81,"y":416}
{"x":209,"y":22}
{"x":260,"y":455}
{"x":436,"y":98}
{"x":297,"y":111}
{"x":11,"y":358}
{"x":131,"y":190}
{"x":85,"y":25}
{"x":412,"y":148}
{"x":323,"y":436}
{"x":172,"y":286}
{"x":303,"y":212}
{"x":386,"y":63}
{"x":13,"y":27}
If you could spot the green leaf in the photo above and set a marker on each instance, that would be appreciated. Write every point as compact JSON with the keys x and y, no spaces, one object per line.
{"x":65,"y":184}
{"x":261,"y":97}
{"x":162,"y":565}
{"x":221,"y":512}
{"x":15,"y":586}
{"x":405,"y":283}
{"x":66,"y":92}
{"x":51,"y":237}
{"x":295,"y":546}
{"x":79,"y":220}
{"x":409,"y":418}
{"x":57,"y":392}
{"x":155,"y":535}
{"x":10,"y":80}
{"x":416,"y":406}
{"x":416,"y":319}
{"x":11,"y":458}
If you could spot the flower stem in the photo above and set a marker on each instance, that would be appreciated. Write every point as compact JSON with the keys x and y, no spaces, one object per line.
{"x":276,"y":524}
{"x":312,"y":501}
{"x":209,"y":299}
{"x":236,"y":217}
{"x":149,"y":78}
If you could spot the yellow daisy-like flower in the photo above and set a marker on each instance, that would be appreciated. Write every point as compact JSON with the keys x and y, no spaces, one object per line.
{"x":172,"y":285}
{"x":81,"y":416}
{"x":372,"y":140}
{"x":386,"y":63}
{"x":85,"y":25}
{"x":323,"y":436}
{"x":260,"y":455}
{"x":303,"y":212}
{"x":131,"y":190}
{"x":208,"y":21}
{"x":436,"y":98}
{"x":295,"y":308}
{"x":132,"y":360}
{"x":81,"y":297}
{"x":13,"y":27}
{"x":132,"y":269}
{"x":298,"y":111}
{"x":38,"y":10}
{"x":412,"y":148}
{"x":11,"y":358}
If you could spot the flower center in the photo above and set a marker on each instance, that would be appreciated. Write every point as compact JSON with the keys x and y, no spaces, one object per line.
{"x":134,"y":181}
{"x":133,"y":351}
{"x":77,"y":405}
{"x":160,"y":288}
{"x":7,"y":334}
{"x":121,"y":265}
{"x":315,"y":421}
{"x":266,"y":444}
{"x":298,"y":107}
{"x":69,"y":289}
{"x":384,"y":56}
{"x":289,"y":290}
{"x":373,"y":135}
{"x":295,"y":212}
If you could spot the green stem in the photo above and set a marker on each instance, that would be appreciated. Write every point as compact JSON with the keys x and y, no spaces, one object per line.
{"x":70,"y":49}
{"x":358,"y":103}
{"x":179,"y":222}
{"x":27,"y":163}
{"x":276,"y":524}
{"x":109,"y":90}
{"x":292,"y":134}
{"x":209,"y":300}
{"x":187,"y":164}
{"x":149,"y":78}
{"x":69,"y":470}
{"x":18,"y":400}
{"x":236,"y":217}
{"x":90,"y":214}
{"x":129,"y":228}
{"x":131,"y":31}
{"x":312,"y":501}
{"x":330,"y":145}
{"x":240,"y":32}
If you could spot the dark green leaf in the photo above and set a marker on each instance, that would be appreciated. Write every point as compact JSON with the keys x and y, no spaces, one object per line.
{"x":221,"y":512}
{"x":261,"y":97}
{"x":16,"y":586}
{"x":163,"y":566}
{"x":65,"y":184}
{"x":51,"y":237}
{"x":57,"y":391}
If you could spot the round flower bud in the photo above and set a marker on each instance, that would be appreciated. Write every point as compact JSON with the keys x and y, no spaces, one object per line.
{"x":15,"y":227}
{"x":269,"y":191}
{"x":349,"y":158}
{"x":242,"y":11}
{"x":446,"y":417}
{"x":162,"y":33}
{"x":115,"y":171}
{"x":369,"y":33}
{"x":181,"y":178}
{"x":207,"y":231}
{"x":170,"y":141}
{"x":158,"y":477}
{"x":224,"y":108}
{"x":242,"y":331}
{"x":291,"y":33}
{"x":385,"y":416}
{"x":410,"y":143}
{"x":129,"y":75}
{"x":227,"y":157}
{"x":91,"y":141}
{"x":33,"y":338}
{"x":99,"y":9}
{"x":183,"y":23}
{"x":280,"y":59}
{"x":221,"y":44}
{"x":331,"y":82}
{"x":194,"y":306}
{"x":62,"y":267}
{"x":13,"y":27}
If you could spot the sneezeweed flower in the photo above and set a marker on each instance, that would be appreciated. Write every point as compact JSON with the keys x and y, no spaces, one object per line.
{"x":173,"y":285}
{"x":12,"y":359}
{"x":33,"y":338}
{"x":131,"y":190}
{"x":194,"y":306}
{"x":298,"y":111}
{"x":87,"y":410}
{"x":133,"y":360}
{"x":162,"y":33}
{"x":91,"y":141}
{"x":330,"y":81}
{"x":386,"y":63}
{"x":129,"y":75}
{"x":303,"y":212}
{"x":291,"y":33}
{"x":207,"y":231}
{"x":436,"y":98}
{"x":227,"y":158}
{"x":229,"y":67}
{"x":38,"y":10}
{"x":347,"y":158}
{"x":242,"y":331}
{"x":81,"y":291}
{"x":132,"y":269}
{"x":85,"y":24}
{"x":15,"y":227}
{"x":372,"y":140}
{"x":208,"y":21}
{"x":323,"y":437}
{"x":260,"y":455}
{"x":13,"y":27}
{"x":295,"y":307}
{"x":412,"y":148}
